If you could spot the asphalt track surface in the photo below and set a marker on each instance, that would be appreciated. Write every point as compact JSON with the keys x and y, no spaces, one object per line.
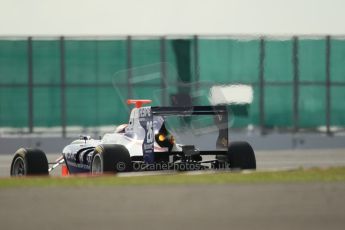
{"x":234,"y":206}
{"x":260,"y":206}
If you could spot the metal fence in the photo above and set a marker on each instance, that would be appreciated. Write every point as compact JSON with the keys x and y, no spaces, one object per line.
{"x":298,"y":82}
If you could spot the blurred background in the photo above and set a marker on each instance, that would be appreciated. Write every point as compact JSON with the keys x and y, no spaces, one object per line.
{"x":67,"y":68}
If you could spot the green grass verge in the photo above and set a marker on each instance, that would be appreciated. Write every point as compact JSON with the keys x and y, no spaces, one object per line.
{"x":300,"y":175}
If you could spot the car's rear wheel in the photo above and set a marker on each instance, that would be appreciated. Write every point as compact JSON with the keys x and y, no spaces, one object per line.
{"x":241,"y":156}
{"x":110,"y":159}
{"x":97,"y":164}
{"x":29,"y":162}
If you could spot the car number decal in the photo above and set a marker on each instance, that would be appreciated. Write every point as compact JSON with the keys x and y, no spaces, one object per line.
{"x":146,"y":121}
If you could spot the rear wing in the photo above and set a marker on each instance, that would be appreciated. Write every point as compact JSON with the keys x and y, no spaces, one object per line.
{"x":190,"y":110}
{"x":146,"y":115}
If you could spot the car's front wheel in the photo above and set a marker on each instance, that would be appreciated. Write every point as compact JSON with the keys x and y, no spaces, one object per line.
{"x":29,"y":162}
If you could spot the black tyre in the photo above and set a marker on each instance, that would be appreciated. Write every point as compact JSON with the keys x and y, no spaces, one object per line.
{"x":29,"y":162}
{"x":241,"y":156}
{"x":110,"y":159}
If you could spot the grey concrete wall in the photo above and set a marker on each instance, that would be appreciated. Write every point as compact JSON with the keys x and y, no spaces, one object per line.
{"x":274,"y":141}
{"x":49,"y":144}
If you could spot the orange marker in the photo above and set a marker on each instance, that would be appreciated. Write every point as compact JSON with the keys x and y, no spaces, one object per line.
{"x":64,"y":170}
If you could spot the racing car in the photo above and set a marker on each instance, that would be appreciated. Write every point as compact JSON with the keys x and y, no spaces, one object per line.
{"x":155,"y":138}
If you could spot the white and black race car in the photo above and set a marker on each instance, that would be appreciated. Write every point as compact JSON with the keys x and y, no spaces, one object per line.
{"x":150,"y":141}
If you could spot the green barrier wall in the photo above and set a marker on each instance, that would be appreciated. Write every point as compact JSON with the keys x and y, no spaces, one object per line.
{"x":91,"y":67}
